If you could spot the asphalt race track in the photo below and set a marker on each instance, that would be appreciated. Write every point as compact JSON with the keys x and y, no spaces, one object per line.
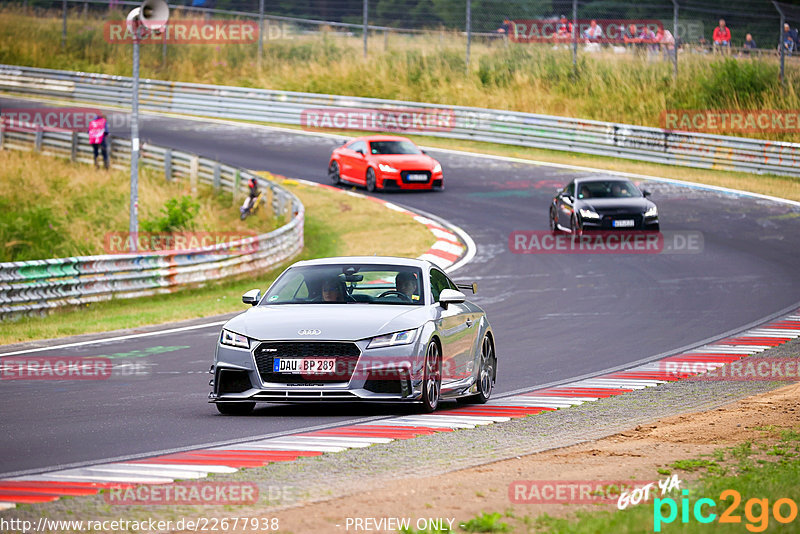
{"x":556,"y":316}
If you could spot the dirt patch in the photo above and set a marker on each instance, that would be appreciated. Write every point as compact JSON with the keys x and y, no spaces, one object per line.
{"x":634,"y":454}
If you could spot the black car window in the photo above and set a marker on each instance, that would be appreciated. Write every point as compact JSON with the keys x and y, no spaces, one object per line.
{"x":439,"y":281}
{"x":570,"y":189}
{"x":394,"y":147}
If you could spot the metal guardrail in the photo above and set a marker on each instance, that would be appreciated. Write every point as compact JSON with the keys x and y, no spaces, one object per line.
{"x":627,"y":141}
{"x":30,"y":287}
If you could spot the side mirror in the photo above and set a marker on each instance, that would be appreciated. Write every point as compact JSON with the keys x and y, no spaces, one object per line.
{"x":252,"y":297}
{"x":451,"y":296}
{"x":423,"y":151}
{"x":646,"y":193}
{"x":360,"y":152}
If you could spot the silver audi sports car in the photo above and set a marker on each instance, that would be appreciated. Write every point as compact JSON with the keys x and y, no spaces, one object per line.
{"x":355,"y":329}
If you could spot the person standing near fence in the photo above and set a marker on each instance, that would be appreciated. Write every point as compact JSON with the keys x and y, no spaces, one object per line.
{"x":722,"y":36}
{"x":789,"y":39}
{"x":98,"y":131}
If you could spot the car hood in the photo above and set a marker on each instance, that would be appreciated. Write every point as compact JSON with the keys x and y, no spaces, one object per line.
{"x":407,"y":161}
{"x":616,"y":205}
{"x":349,"y":322}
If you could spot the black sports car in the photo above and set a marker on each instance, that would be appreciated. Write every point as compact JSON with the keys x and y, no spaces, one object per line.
{"x":602,"y":204}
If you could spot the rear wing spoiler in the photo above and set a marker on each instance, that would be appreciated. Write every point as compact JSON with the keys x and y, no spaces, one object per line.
{"x":472,"y":287}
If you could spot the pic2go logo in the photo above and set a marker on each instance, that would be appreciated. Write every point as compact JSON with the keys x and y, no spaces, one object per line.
{"x":757,"y":522}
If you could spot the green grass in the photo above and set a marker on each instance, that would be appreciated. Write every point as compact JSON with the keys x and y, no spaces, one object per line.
{"x":486,"y":523}
{"x":427,"y":68}
{"x":335,"y":225}
{"x":51,"y":208}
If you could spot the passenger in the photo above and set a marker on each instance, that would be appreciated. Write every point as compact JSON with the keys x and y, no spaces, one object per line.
{"x":585,"y":193}
{"x":618,"y":190}
{"x":332,"y":290}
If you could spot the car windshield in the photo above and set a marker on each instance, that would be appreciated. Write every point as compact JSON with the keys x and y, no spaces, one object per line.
{"x":608,"y":189}
{"x":348,"y":284}
{"x":394,"y":147}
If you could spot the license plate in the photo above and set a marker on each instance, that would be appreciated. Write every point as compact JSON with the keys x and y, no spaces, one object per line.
{"x":417,"y":177}
{"x":623,"y":223}
{"x":304,"y":365}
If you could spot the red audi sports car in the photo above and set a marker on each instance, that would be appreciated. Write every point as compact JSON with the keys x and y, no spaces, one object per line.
{"x":383,"y":163}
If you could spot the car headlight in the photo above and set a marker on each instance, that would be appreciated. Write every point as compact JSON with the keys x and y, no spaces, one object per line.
{"x":387,"y":168}
{"x":589,"y":214}
{"x":389,"y":340}
{"x":234,"y":340}
{"x":437,"y":168}
{"x":651,"y":212}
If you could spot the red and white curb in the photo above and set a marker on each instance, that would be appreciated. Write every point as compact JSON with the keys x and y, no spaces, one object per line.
{"x":168,"y":468}
{"x":445,"y":252}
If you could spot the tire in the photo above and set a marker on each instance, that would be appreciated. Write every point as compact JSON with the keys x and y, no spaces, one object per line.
{"x":371,"y":184}
{"x":553,"y":226}
{"x":486,"y":374}
{"x":333,"y":173}
{"x":575,"y":226}
{"x":235,"y":408}
{"x":431,"y":378}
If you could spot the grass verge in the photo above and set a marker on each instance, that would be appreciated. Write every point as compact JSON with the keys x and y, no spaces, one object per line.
{"x":52,"y":208}
{"x":336,"y":224}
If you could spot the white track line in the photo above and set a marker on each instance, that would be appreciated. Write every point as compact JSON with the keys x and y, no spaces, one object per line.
{"x":117,"y":338}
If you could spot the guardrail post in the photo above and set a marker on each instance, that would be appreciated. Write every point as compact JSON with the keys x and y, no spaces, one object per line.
{"x":2,"y":136}
{"x":168,"y":164}
{"x":73,"y":153}
{"x":237,"y":180}
{"x":216,"y":175}
{"x":37,"y":140}
{"x":194,"y":163}
{"x":110,"y":149}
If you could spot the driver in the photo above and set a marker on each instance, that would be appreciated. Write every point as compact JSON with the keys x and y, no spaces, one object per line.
{"x":406,"y":283}
{"x":332,"y":290}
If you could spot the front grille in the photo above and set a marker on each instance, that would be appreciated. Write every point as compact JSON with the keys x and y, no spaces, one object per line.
{"x":608,"y":223}
{"x":404,"y":176}
{"x":346,"y":355}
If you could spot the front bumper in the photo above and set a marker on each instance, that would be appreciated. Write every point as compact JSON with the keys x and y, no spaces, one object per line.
{"x":390,"y":374}
{"x":398,"y":181}
{"x":606,"y":222}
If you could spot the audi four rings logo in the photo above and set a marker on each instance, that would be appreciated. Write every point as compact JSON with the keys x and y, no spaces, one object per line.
{"x":309,"y":332}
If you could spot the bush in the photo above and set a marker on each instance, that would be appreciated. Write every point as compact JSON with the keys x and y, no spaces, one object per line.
{"x":177,"y":214}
